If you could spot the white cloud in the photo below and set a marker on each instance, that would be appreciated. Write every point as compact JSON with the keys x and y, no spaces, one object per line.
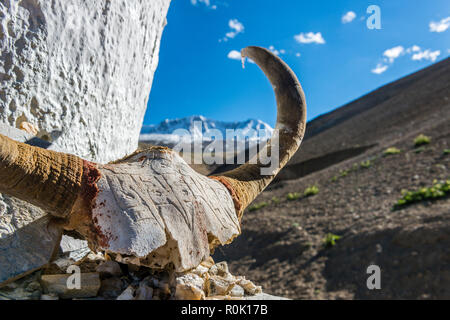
{"x":426,"y":55}
{"x":414,"y":48}
{"x":417,"y":54}
{"x":236,"y":27}
{"x":380,"y":69}
{"x":393,"y":53}
{"x":234,"y":55}
{"x":389,"y":56}
{"x":277,"y":52}
{"x":309,"y":37}
{"x":206,"y":2}
{"x":440,"y":26}
{"x":298,"y":55}
{"x":348,"y":17}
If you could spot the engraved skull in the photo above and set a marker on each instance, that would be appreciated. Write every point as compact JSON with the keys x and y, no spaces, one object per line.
{"x":151,"y":208}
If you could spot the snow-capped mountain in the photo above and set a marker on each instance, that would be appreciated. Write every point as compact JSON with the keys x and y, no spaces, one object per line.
{"x":197,"y":128}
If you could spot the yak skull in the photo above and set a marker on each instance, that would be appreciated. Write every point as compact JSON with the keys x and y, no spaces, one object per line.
{"x":151,"y":208}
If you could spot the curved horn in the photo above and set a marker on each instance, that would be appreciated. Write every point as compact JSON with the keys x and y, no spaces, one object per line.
{"x":48,"y":179}
{"x":246,"y":181}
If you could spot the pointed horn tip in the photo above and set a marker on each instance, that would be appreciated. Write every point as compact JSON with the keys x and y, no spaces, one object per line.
{"x":249,"y":52}
{"x":244,"y":52}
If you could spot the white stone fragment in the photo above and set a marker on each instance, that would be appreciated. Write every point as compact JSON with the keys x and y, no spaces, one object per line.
{"x":74,"y":249}
{"x":92,"y":256}
{"x":189,"y":287}
{"x":63,"y":263}
{"x":218,"y":286}
{"x":200,"y":270}
{"x":237,"y":291}
{"x":220,"y":268}
{"x":249,"y":287}
{"x":69,"y":244}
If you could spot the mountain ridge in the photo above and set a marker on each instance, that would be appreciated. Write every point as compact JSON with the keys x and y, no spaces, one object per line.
{"x":198,"y":127}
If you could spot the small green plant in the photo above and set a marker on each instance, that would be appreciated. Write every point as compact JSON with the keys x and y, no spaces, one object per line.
{"x":310,"y":191}
{"x":446,"y":151}
{"x":391,"y":151}
{"x":257,"y":206}
{"x":420,"y":150}
{"x":334,"y":179}
{"x":421,"y":140}
{"x":366,"y":164}
{"x":330,"y":240}
{"x":291,"y":196}
{"x":275,"y":200}
{"x":438,"y":190}
{"x":343,"y":173}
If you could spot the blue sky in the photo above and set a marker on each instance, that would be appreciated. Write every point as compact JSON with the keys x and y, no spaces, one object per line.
{"x":336,"y":59}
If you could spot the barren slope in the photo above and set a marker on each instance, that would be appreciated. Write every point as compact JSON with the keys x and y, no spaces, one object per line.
{"x":281,"y":247}
{"x":386,"y":114}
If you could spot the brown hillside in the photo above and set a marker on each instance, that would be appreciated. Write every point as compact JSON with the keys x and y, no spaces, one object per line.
{"x":281,"y":246}
{"x":382,"y":116}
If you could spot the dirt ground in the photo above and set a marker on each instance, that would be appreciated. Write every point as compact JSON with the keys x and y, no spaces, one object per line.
{"x":282,"y":249}
{"x":282,"y":244}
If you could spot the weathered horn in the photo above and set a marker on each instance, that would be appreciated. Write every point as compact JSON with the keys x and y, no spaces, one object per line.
{"x":48,"y":179}
{"x":246,"y":181}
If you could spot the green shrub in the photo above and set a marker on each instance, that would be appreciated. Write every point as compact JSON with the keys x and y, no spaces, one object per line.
{"x":257,"y":206}
{"x":366,"y":164}
{"x":421,"y":139}
{"x":391,"y":151}
{"x":275,"y":200}
{"x":293,"y":196}
{"x":310,"y":191}
{"x":438,"y":190}
{"x":330,"y":240}
{"x":343,"y":173}
{"x":446,"y":151}
{"x":334,"y":179}
{"x":420,"y":150}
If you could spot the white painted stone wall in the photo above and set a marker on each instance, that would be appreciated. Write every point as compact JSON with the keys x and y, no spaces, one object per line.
{"x":80,"y":70}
